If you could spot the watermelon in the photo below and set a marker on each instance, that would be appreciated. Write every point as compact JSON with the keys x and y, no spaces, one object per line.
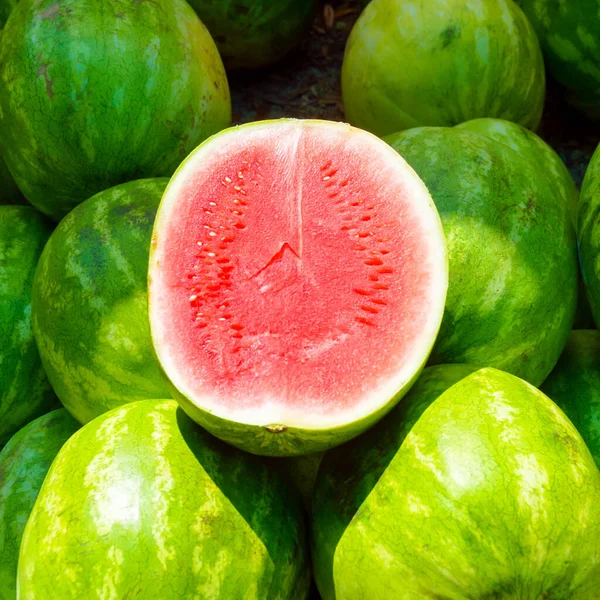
{"x":113,"y":91}
{"x":511,"y":245}
{"x":142,"y":503}
{"x":574,"y":385}
{"x":588,"y":234}
{"x":90,"y":315}
{"x":296,"y":285}
{"x":255,"y":33}
{"x":478,"y":489}
{"x":24,"y":462}
{"x":530,"y":146}
{"x":25,"y":391}
{"x":412,"y":63}
{"x":569,"y":34}
{"x":533,"y":148}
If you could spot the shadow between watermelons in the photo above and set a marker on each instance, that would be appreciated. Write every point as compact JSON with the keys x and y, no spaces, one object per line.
{"x":242,"y":491}
{"x":334,"y":506}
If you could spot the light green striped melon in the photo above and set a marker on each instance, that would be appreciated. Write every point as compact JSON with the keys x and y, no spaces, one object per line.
{"x":485,"y":490}
{"x":410,"y":63}
{"x":89,"y":303}
{"x":533,"y":148}
{"x":142,"y":503}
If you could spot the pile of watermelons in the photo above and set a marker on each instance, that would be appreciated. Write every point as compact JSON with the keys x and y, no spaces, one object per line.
{"x":297,"y":358}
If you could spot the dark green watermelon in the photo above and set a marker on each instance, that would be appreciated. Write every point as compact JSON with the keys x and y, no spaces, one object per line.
{"x":25,"y":391}
{"x":255,"y":33}
{"x":93,"y":94}
{"x":508,"y":219}
{"x":9,"y":192}
{"x":588,"y":234}
{"x":574,"y":385}
{"x":569,"y":33}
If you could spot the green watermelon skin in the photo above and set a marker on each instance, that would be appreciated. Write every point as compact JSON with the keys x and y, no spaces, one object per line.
{"x":533,"y":148}
{"x":142,"y":503}
{"x":574,"y":385}
{"x":569,"y":34}
{"x":254,"y":33}
{"x":114,"y":91}
{"x":410,"y":63}
{"x":485,"y":490}
{"x":24,"y":462}
{"x":90,"y":315}
{"x":25,"y":392}
{"x":588,"y":234}
{"x":511,"y":227}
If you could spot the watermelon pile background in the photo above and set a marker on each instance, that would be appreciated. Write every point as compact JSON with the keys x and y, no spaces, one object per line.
{"x":483,"y":482}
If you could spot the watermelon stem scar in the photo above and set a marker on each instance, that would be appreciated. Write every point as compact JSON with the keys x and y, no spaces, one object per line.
{"x":297,"y":281}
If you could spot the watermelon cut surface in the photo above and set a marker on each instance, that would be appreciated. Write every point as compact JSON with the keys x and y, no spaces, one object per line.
{"x":298,"y":275}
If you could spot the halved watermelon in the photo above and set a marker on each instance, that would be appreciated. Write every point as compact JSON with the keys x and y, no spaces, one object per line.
{"x":297,"y":281}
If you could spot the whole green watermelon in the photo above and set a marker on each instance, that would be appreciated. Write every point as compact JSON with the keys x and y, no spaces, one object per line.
{"x":142,"y":503}
{"x":569,"y":33}
{"x":588,"y":233}
{"x":90,"y":314}
{"x":255,"y":33}
{"x":410,"y":63}
{"x":24,"y":462}
{"x":512,"y":252}
{"x":485,"y":490}
{"x":574,"y":385}
{"x":25,"y":391}
{"x":93,"y":94}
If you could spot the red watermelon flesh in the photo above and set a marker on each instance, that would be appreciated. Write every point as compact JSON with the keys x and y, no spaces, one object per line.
{"x":297,"y":280}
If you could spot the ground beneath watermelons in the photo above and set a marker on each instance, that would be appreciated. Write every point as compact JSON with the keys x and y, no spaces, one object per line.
{"x":307,"y":85}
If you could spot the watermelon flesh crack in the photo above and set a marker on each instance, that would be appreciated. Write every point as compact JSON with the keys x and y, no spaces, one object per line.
{"x":297,"y":278}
